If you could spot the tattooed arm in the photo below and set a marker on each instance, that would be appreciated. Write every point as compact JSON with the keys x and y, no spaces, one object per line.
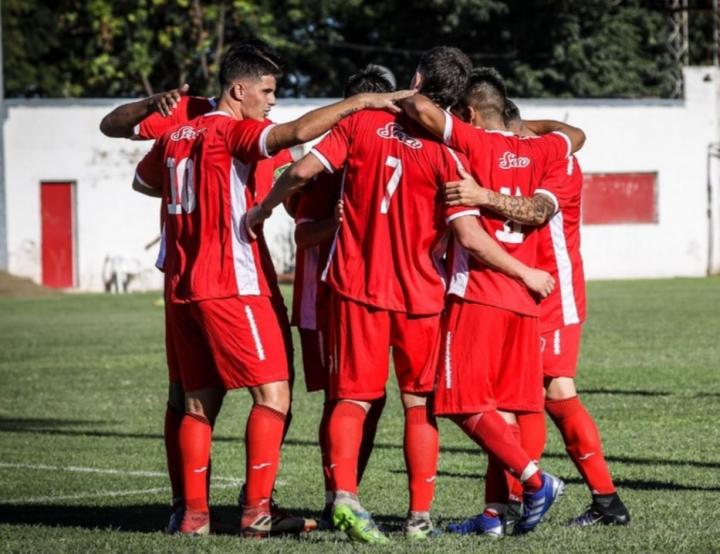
{"x":534,"y":210}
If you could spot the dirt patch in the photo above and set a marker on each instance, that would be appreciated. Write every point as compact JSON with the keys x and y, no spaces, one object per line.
{"x":20,"y":287}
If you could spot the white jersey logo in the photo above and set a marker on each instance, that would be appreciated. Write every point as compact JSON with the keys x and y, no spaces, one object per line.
{"x":394,"y":130}
{"x":509,"y":160}
{"x":186,"y":133}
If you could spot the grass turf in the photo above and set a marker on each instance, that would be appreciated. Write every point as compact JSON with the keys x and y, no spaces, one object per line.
{"x":82,"y":385}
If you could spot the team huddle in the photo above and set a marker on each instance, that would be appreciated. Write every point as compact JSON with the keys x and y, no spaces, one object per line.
{"x":433,"y":223}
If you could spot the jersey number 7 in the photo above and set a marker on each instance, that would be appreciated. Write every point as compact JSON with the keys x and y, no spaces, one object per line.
{"x":393,"y":183}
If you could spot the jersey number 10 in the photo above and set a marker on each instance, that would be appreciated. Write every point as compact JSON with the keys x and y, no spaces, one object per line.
{"x":182,"y":186}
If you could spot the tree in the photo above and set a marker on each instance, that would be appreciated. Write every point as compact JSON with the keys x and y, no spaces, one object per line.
{"x":595,"y":48}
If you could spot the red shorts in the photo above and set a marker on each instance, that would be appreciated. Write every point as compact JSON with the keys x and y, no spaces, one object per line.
{"x":313,"y":346}
{"x":560,"y":351}
{"x":227,"y":343}
{"x":360,"y":338}
{"x":490,"y":360}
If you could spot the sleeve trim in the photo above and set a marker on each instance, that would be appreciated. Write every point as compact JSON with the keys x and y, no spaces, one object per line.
{"x":567,"y":141}
{"x":142,"y":181}
{"x":447,"y":131}
{"x":302,"y":220}
{"x":453,"y":217}
{"x":323,"y":160}
{"x":552,"y":197}
{"x":262,"y":141}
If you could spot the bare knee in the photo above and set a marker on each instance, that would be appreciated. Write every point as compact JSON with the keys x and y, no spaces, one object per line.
{"x":411,"y":400}
{"x":275,"y":395}
{"x":509,"y":417}
{"x":560,"y":388}
{"x":204,"y":403}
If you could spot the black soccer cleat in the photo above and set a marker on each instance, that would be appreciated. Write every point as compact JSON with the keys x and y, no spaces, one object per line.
{"x":605,"y":509}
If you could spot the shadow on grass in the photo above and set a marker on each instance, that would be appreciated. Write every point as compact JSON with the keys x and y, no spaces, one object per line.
{"x":625,"y":392}
{"x":139,"y":518}
{"x":40,"y":423}
{"x":634,"y":484}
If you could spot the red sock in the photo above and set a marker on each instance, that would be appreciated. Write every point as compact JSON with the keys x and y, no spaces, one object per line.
{"x":368,"y":438}
{"x":421,"y":456}
{"x":496,"y":483}
{"x":195,"y":439}
{"x":582,"y":442}
{"x":494,"y":435}
{"x":173,"y":418}
{"x":263,"y":438}
{"x":345,"y":434}
{"x":324,"y":447}
{"x":533,"y":433}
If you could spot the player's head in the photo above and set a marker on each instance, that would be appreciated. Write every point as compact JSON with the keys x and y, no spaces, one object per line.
{"x":513,"y":120}
{"x":372,"y":78}
{"x":442,"y":74}
{"x":248,"y":76}
{"x":485,"y":95}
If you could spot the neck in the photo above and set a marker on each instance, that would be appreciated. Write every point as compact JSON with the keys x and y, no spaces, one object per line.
{"x":230,"y":106}
{"x":489,"y":122}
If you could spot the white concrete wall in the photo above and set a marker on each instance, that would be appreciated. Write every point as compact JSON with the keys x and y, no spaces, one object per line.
{"x":59,"y":140}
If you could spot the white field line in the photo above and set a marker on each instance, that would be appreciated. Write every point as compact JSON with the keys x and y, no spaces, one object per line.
{"x":99,"y":494}
{"x":123,"y":472}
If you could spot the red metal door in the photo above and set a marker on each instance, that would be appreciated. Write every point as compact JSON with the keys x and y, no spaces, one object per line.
{"x":57,"y":210}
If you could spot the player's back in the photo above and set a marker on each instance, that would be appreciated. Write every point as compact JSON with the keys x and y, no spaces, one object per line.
{"x":389,"y":248}
{"x":207,"y":187}
{"x":511,"y":165}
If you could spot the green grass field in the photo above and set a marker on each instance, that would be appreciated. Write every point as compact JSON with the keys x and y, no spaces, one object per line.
{"x":82,"y":387}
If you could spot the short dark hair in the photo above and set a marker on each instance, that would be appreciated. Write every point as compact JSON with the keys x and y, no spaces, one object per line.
{"x":486,"y":92}
{"x":369,"y":79}
{"x":512,"y":112}
{"x":251,"y":58}
{"x":445,"y":72}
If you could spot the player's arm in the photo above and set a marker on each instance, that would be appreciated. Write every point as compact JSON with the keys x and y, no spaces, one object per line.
{"x":293,"y":179}
{"x":426,"y":113}
{"x":545,"y":126}
{"x":312,"y":233}
{"x":313,"y":124}
{"x":526,"y":210}
{"x":148,"y":178}
{"x":121,"y":122}
{"x":481,"y":246}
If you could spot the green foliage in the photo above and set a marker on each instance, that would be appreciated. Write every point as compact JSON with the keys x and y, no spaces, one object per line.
{"x":595,"y":48}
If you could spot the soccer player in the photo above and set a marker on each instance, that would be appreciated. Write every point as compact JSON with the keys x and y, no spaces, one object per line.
{"x":385,"y":269}
{"x":491,"y":346}
{"x":149,"y":119}
{"x":561,"y":317}
{"x":318,"y":212}
{"x":224,"y":328}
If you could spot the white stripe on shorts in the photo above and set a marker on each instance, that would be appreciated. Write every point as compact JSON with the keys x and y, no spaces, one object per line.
{"x":255,"y":334}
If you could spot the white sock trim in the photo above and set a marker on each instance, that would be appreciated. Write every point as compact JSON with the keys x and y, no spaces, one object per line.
{"x":528,"y":472}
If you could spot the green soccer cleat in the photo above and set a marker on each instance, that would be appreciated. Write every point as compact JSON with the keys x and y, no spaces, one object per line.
{"x":357,"y":524}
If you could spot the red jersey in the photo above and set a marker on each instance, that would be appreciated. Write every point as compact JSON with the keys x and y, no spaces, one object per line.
{"x":187,"y":108}
{"x":388,"y":251}
{"x":507,"y":164}
{"x":206,"y":171}
{"x":310,"y":301}
{"x":190,"y":107}
{"x":559,"y":252}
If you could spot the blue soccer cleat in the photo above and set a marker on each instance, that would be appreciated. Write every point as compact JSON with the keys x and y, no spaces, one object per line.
{"x":536,"y":504}
{"x":480,"y":524}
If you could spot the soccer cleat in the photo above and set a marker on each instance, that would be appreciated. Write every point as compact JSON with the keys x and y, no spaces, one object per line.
{"x":536,"y":504}
{"x":194,"y":523}
{"x":605,"y":510}
{"x":357,"y":524}
{"x":284,"y":523}
{"x":420,"y":528}
{"x":480,"y":524}
{"x":256,"y":522}
{"x":176,"y":518}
